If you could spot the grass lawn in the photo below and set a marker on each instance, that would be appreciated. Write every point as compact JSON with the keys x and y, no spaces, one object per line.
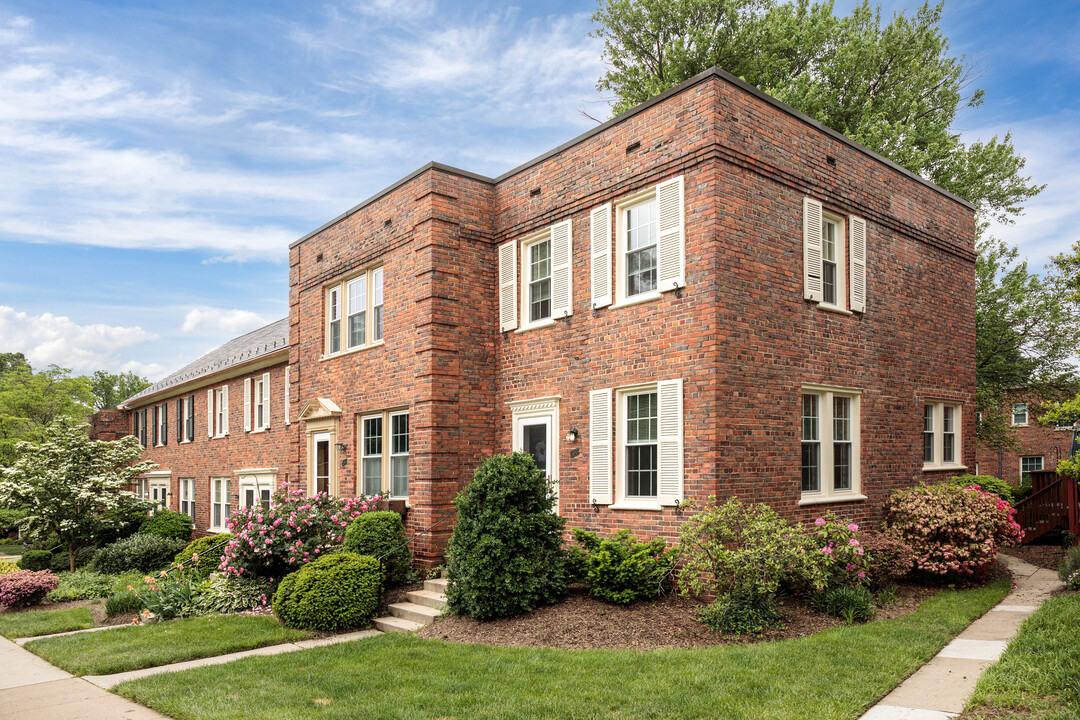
{"x":43,"y":622}
{"x":9,"y":548}
{"x":834,"y":674}
{"x":1039,"y":675}
{"x":136,"y":647}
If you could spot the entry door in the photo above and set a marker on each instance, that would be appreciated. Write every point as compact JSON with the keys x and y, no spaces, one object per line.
{"x":535,"y":438}
{"x":322,"y":462}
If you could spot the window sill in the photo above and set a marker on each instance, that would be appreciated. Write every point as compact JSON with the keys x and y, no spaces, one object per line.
{"x":184,"y":442}
{"x":637,"y":299}
{"x":257,"y":431}
{"x":547,"y":322}
{"x":219,"y":437}
{"x":942,"y":468}
{"x":834,"y":309}
{"x":351,"y":351}
{"x":635,"y":505}
{"x":825,"y":499}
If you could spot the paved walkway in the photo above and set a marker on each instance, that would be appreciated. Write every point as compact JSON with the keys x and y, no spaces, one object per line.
{"x":941,"y":688}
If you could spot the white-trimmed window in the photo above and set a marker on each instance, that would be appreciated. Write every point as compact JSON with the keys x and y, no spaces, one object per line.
{"x":385,"y":436}
{"x":358,"y":301}
{"x":217,"y":411}
{"x":158,"y":488}
{"x":1030,"y":463}
{"x":257,"y":403}
{"x":649,"y":244}
{"x":546,"y":292}
{"x":941,"y":435}
{"x":1020,"y":413}
{"x":161,"y":419}
{"x":187,"y":496}
{"x":142,"y":488}
{"x":256,"y":487}
{"x":834,"y":259}
{"x":536,"y":279}
{"x":220,"y":504}
{"x":185,"y":419}
{"x":830,"y":424}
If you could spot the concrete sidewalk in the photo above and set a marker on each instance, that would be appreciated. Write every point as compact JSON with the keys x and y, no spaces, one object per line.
{"x":941,"y":688}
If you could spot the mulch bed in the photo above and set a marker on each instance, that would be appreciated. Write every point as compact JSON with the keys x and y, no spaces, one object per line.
{"x":1044,"y":556}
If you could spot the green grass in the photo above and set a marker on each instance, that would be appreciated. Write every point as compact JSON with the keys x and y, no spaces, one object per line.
{"x":43,"y":622}
{"x":1039,"y":675}
{"x":136,"y":647}
{"x":834,"y":674}
{"x":11,"y":548}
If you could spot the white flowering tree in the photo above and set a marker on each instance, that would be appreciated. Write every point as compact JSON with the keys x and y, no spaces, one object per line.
{"x":72,"y":486}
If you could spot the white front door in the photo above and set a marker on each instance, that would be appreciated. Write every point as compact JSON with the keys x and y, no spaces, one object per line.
{"x":536,"y":436}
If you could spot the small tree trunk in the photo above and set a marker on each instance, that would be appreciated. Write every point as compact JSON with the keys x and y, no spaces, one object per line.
{"x":72,"y":553}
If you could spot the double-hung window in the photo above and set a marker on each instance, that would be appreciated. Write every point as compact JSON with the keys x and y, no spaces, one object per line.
{"x":941,"y":435}
{"x":1020,"y":413}
{"x":187,"y":497}
{"x":829,"y":435}
{"x":538,"y":287}
{"x":358,"y":301}
{"x":384,"y":456}
{"x":546,"y":292}
{"x":640,"y":445}
{"x":834,"y":259}
{"x":186,"y":413}
{"x":257,"y":403}
{"x":162,"y":434}
{"x":1030,"y":463}
{"x":256,"y":488}
{"x":217,"y":411}
{"x":220,"y":505}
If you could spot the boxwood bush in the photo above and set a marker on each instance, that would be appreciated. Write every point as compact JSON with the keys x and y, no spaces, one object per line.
{"x":619,"y":569}
{"x":377,"y":533}
{"x":506,"y":554}
{"x":989,"y":483}
{"x":35,"y":560}
{"x":335,"y":592}
{"x":139,"y":552}
{"x":169,"y":524}
{"x":209,"y":549}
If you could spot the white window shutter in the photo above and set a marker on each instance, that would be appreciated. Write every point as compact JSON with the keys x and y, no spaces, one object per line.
{"x":670,"y":441}
{"x":247,"y":405}
{"x":266,"y":400}
{"x":225,"y":407}
{"x":670,"y":250}
{"x":288,"y":387}
{"x":562,"y":270}
{"x":508,"y":286}
{"x":210,"y":412}
{"x":600,"y":237}
{"x":858,"y":264}
{"x":600,"y":447}
{"x":812,"y":289}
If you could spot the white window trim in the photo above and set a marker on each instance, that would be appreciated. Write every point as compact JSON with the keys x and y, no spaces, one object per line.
{"x":545,"y":408}
{"x":827,"y":493}
{"x":161,"y":479}
{"x":256,"y":480}
{"x":1027,"y":415}
{"x":389,"y":447}
{"x":842,"y":270}
{"x":228,"y":502}
{"x":187,"y":495}
{"x":526,"y":269}
{"x":220,"y":413}
{"x":1020,"y":463}
{"x":386,"y":456}
{"x":621,"y":501}
{"x":183,"y":421}
{"x":621,"y":206}
{"x":364,"y":456}
{"x":939,"y":434}
{"x":342,"y":287}
{"x":260,"y":399}
{"x":161,"y":420}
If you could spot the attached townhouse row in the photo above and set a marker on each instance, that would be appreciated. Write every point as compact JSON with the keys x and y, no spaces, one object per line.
{"x":708,"y":294}
{"x":1038,"y":447}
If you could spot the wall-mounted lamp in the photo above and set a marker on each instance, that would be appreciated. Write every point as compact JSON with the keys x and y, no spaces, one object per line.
{"x":571,"y":436}
{"x":342,"y":447}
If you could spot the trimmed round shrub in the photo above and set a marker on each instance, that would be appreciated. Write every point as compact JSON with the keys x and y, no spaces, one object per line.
{"x":335,"y":592}
{"x":951,"y":529}
{"x":988,"y":483}
{"x":506,"y":554}
{"x":35,"y":560}
{"x":142,"y":552}
{"x":1069,"y":572}
{"x":26,"y":587}
{"x":169,"y":524}
{"x":209,"y":549}
{"x":851,"y":603}
{"x":377,"y":533}
{"x":620,"y":569}
{"x":124,"y":601}
{"x":887,"y":559}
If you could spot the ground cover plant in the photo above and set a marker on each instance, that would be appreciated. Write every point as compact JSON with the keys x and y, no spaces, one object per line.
{"x":335,"y":592}
{"x":834,"y":674}
{"x":140,"y":646}
{"x":81,"y":585}
{"x":1069,"y":572}
{"x":44,"y":622}
{"x":1039,"y":674}
{"x":225,"y":593}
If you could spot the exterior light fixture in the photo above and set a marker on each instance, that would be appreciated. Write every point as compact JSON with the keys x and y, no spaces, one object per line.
{"x":571,"y":436}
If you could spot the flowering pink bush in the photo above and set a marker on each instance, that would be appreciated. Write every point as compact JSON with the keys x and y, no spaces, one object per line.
{"x":26,"y":587}
{"x":294,"y":531}
{"x":951,"y":529}
{"x":840,"y":556}
{"x":887,"y":558}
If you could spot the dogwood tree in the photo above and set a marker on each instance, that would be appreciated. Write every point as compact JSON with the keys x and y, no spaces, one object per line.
{"x":71,"y":485}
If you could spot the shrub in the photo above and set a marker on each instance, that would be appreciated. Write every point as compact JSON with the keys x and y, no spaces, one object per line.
{"x":506,"y":555}
{"x":169,"y":595}
{"x":169,"y":524}
{"x":987,"y":483}
{"x":951,"y":529}
{"x":293,"y":531}
{"x":81,"y":585}
{"x":35,"y":560}
{"x":60,"y":562}
{"x":377,"y":533}
{"x":887,"y":558}
{"x":9,"y":521}
{"x":26,"y":587}
{"x":851,"y":603}
{"x":840,"y":556}
{"x":209,"y":551}
{"x":138,"y":552}
{"x":124,"y":601}
{"x":335,"y":592}
{"x":227,"y":593}
{"x":741,"y":614}
{"x":620,"y":569}
{"x":8,"y":566}
{"x":122,"y":522}
{"x":1069,"y":572}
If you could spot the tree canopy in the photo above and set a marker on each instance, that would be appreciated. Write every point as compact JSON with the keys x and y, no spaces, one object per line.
{"x":110,"y":389}
{"x":30,"y":401}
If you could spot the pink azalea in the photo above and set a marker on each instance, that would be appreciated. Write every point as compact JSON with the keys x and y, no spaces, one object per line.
{"x":819,"y":522}
{"x":861,"y":574}
{"x":853,"y":542}
{"x":827,"y":549}
{"x":853,"y":527}
{"x":850,"y":567}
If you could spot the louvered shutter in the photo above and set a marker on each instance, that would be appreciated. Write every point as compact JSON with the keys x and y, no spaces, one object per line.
{"x":670,"y":250}
{"x":858,"y":264}
{"x":154,"y":418}
{"x":508,"y":286}
{"x":179,"y":419}
{"x":670,"y":441}
{"x":164,"y":423}
{"x":191,"y":418}
{"x":562,"y":270}
{"x":247,"y":405}
{"x":288,"y":386}
{"x":812,"y":250}
{"x":600,"y":240}
{"x":266,"y":400}
{"x":225,"y":409}
{"x":600,"y":446}
{"x":210,"y":412}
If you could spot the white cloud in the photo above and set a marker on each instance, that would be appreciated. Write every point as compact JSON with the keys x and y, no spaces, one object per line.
{"x":16,"y":30}
{"x":49,"y":339}
{"x":210,"y":320}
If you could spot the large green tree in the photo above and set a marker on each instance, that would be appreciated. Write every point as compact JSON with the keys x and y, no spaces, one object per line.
{"x":30,"y":401}
{"x":110,"y":389}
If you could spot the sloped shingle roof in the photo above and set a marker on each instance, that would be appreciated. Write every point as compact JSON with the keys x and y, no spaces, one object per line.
{"x":252,"y":346}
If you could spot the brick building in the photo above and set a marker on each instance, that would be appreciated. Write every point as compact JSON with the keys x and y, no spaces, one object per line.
{"x":708,"y":294}
{"x":1039,"y":447}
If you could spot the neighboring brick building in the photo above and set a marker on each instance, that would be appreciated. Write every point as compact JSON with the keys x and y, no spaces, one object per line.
{"x":1039,"y":447}
{"x":709,"y":294}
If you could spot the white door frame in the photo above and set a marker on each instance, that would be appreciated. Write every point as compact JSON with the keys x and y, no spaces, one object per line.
{"x":536,"y":412}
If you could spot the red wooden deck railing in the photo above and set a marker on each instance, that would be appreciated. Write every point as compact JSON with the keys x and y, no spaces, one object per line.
{"x":1054,"y":505}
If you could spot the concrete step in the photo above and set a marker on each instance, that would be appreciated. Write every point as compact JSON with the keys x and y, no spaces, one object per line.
{"x":417,"y":613}
{"x":437,"y":585}
{"x":427,"y":597}
{"x":395,"y":624}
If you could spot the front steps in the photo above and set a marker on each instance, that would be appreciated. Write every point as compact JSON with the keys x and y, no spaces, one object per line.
{"x":421,"y":609}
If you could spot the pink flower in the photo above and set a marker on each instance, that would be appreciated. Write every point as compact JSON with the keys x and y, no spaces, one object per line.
{"x":819,"y":522}
{"x":827,"y":549}
{"x":861,"y":574}
{"x":853,"y":542}
{"x":269,"y":541}
{"x":850,"y":567}
{"x":853,"y":527}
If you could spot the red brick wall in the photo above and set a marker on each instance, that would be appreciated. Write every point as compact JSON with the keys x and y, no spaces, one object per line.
{"x":109,"y":425}
{"x":1032,"y":439}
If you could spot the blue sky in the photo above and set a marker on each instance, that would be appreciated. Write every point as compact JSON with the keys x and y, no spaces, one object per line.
{"x":158,"y":158}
